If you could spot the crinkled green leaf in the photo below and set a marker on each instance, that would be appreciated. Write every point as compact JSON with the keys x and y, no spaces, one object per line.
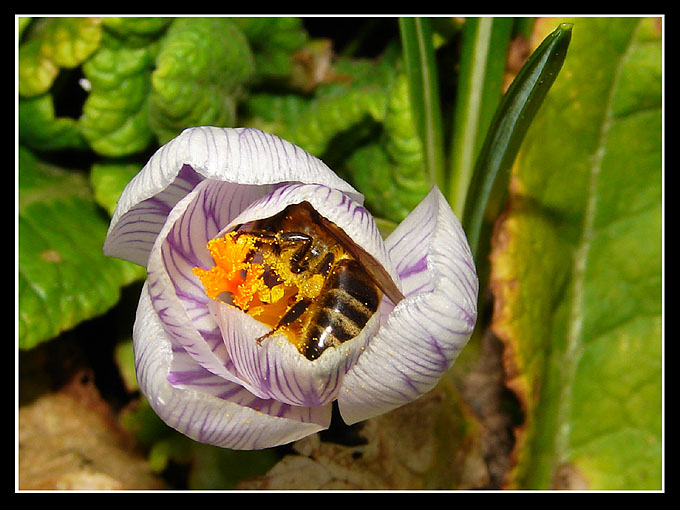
{"x":64,"y":278}
{"x":70,"y":41}
{"x":108,"y":180}
{"x":36,"y":71}
{"x":274,"y":42}
{"x":39,"y":129}
{"x":275,"y":113}
{"x":391,"y":172}
{"x":576,"y":267}
{"x":329,"y":116}
{"x":115,"y":117}
{"x":54,"y":43}
{"x":355,"y":92}
{"x":199,"y":78}
{"x":136,"y":31}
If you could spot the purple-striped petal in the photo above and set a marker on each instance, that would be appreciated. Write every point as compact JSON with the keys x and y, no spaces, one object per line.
{"x":423,"y":335}
{"x":177,"y":296}
{"x":244,"y":156}
{"x":274,"y":366}
{"x":208,"y":408}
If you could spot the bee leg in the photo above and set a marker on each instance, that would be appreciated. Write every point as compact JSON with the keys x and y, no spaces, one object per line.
{"x":260,"y":235}
{"x":324,"y":266}
{"x":293,"y":313}
{"x":264,"y":239}
{"x":297,"y":261}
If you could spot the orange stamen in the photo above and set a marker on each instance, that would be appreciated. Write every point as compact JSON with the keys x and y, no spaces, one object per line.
{"x":229,"y":253}
{"x":242,"y":280}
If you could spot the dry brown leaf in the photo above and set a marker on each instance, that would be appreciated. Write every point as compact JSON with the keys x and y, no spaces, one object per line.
{"x":68,"y":440}
{"x":400,"y":452}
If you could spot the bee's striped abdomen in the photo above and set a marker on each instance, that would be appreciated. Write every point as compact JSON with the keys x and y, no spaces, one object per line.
{"x":348,"y":301}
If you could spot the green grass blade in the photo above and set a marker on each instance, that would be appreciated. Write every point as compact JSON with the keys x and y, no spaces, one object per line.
{"x":416,"y":38}
{"x":480,"y":86}
{"x":511,"y":122}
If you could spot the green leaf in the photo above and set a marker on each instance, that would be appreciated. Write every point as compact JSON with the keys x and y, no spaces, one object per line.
{"x":54,"y":43}
{"x":199,"y":78}
{"x":64,"y":277}
{"x":108,"y":180}
{"x":115,"y":117}
{"x":329,"y":116}
{"x":70,"y":41}
{"x":39,"y":129}
{"x":36,"y":72}
{"x":391,"y":172}
{"x":137,"y":31}
{"x":576,"y":268}
{"x":274,"y":42}
{"x":22,"y":23}
{"x":357,"y":92}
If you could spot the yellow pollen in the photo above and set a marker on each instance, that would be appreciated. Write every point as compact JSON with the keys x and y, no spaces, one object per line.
{"x":311,"y":288}
{"x":244,"y":282}
{"x":250,"y":287}
{"x":231,"y":273}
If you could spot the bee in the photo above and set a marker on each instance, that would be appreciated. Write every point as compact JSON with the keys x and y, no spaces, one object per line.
{"x":310,"y":251}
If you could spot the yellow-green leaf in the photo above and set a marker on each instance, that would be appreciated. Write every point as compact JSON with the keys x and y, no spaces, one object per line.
{"x":64,"y":277}
{"x":55,"y":43}
{"x":576,"y":267}
{"x":115,"y":117}
{"x":199,"y":78}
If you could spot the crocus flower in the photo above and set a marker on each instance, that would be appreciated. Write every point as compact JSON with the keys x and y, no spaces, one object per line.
{"x":211,"y":370}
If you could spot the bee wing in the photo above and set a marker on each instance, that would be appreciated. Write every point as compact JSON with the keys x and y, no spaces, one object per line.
{"x":375,"y":269}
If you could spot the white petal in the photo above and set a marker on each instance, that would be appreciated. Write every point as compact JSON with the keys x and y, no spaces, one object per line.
{"x":423,"y":335}
{"x":276,"y":369}
{"x":205,"y":407}
{"x":132,"y":232}
{"x":236,"y":155}
{"x":177,"y":296}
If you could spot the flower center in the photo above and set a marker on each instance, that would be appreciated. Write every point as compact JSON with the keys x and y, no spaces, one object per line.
{"x":250,"y":274}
